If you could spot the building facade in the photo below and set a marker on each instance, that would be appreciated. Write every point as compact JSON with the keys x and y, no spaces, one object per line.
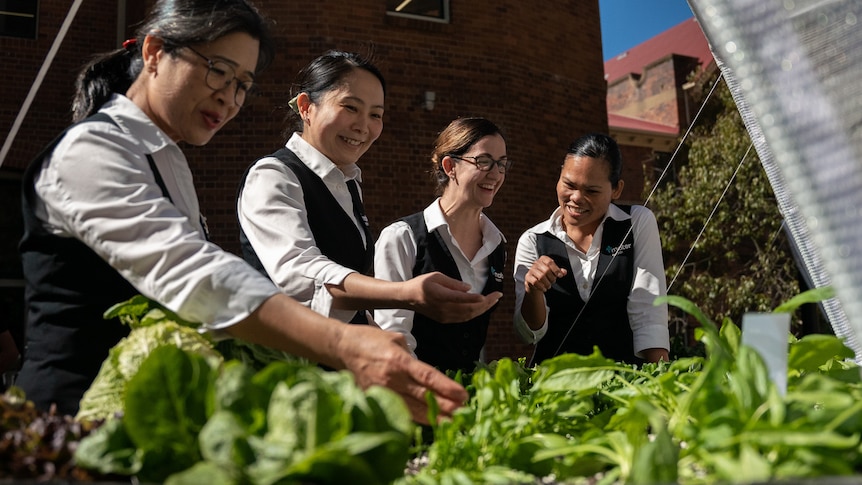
{"x":536,"y":72}
{"x":648,"y":99}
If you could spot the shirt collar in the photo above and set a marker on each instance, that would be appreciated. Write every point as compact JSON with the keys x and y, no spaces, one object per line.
{"x":434,"y":219}
{"x":318,"y":162}
{"x":617,"y":214}
{"x":132,"y":120}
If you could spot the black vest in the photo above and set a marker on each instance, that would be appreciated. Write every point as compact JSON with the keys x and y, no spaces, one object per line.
{"x":334,"y":232}
{"x":450,"y":346}
{"x":604,"y":321}
{"x":68,"y":289}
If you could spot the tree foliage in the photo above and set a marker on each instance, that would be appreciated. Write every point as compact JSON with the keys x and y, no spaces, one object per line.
{"x":741,"y":262}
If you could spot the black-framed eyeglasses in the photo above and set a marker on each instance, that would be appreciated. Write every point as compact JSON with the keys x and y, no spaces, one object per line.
{"x":220,"y":75}
{"x":484,"y":162}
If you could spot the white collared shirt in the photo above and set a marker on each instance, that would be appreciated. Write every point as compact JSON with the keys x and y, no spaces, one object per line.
{"x":97,"y":186}
{"x":273,"y":215}
{"x":395,"y":256}
{"x":649,"y":323}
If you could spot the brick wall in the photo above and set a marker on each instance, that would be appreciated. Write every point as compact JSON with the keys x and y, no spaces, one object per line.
{"x":537,"y":72}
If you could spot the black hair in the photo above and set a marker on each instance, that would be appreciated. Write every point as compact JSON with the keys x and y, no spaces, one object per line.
{"x":179,"y":23}
{"x":325,"y":73}
{"x":602,"y":147}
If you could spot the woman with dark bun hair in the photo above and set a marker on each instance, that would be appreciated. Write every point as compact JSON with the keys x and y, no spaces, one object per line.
{"x":588,"y":276}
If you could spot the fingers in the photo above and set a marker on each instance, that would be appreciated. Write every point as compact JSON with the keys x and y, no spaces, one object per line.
{"x":457,"y":312}
{"x":449,"y":394}
{"x":377,"y":357}
{"x":447,"y":300}
{"x":543,"y":273}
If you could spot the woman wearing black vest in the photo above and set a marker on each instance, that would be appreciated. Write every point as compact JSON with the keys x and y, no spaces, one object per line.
{"x":300,"y":209}
{"x":453,"y":236}
{"x":588,"y":275}
{"x":110,"y":210}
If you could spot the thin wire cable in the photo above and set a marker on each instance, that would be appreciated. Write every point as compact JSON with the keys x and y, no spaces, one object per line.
{"x":46,"y":64}
{"x":646,"y":201}
{"x":682,"y":140}
{"x":709,"y":218}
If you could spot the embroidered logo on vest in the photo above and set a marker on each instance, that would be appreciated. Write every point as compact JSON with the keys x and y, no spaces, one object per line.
{"x":498,"y":276}
{"x":614,"y":250}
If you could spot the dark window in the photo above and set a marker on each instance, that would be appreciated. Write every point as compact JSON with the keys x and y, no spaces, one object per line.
{"x":18,"y":18}
{"x":434,"y":10}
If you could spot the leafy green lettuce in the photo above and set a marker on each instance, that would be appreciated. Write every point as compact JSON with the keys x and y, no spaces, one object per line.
{"x":104,"y":398}
{"x":188,"y":421}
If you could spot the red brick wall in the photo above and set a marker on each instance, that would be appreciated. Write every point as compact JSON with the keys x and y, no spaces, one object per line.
{"x":537,"y":72}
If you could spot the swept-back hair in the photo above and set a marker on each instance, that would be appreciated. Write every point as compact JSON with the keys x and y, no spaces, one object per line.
{"x":602,"y":147}
{"x":179,"y":23}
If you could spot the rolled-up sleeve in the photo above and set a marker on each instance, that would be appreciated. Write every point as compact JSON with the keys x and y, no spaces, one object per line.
{"x":649,"y":322}
{"x":99,"y":188}
{"x":394,"y":258}
{"x":525,"y":255}
{"x":273,"y":216}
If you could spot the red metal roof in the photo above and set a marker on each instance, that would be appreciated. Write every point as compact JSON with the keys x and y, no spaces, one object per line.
{"x":634,"y":124}
{"x":685,"y":39}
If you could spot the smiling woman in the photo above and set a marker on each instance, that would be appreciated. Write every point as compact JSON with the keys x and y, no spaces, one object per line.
{"x":302,"y":221}
{"x":454,"y":236}
{"x":587,"y":277}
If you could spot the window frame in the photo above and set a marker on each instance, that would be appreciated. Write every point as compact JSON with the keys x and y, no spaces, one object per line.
{"x":21,"y":8}
{"x":445,"y":19}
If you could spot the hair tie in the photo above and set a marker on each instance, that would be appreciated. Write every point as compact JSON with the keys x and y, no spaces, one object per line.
{"x":130,"y":43}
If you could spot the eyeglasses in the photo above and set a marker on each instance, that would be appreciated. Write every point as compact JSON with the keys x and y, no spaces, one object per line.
{"x":484,"y":162}
{"x":220,"y":75}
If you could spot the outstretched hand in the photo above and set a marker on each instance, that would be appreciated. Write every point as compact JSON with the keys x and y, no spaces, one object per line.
{"x":447,"y":300}
{"x":377,"y":357}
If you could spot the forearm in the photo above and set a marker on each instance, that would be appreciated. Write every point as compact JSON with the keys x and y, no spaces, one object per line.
{"x":655,"y":355}
{"x":282,"y":323}
{"x":359,"y":292}
{"x":533,"y":309}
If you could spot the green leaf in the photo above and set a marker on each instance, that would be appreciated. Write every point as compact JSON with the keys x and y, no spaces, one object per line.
{"x":524,"y":452}
{"x":140,"y":311}
{"x":308,"y":413}
{"x":204,"y":473}
{"x":109,"y":450}
{"x":657,"y":461}
{"x":811,"y":352}
{"x":688,"y":307}
{"x":389,"y":411}
{"x":165,"y":408}
{"x":813,"y":295}
{"x":223,"y":441}
{"x":129,"y":311}
{"x":237,"y":391}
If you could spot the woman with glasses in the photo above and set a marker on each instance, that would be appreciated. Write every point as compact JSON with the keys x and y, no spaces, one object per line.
{"x":300,"y":209}
{"x":453,"y":236}
{"x":589,"y":274}
{"x":110,"y":211}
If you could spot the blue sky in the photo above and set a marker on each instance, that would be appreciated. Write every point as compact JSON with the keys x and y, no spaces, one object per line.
{"x":627,"y":23}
